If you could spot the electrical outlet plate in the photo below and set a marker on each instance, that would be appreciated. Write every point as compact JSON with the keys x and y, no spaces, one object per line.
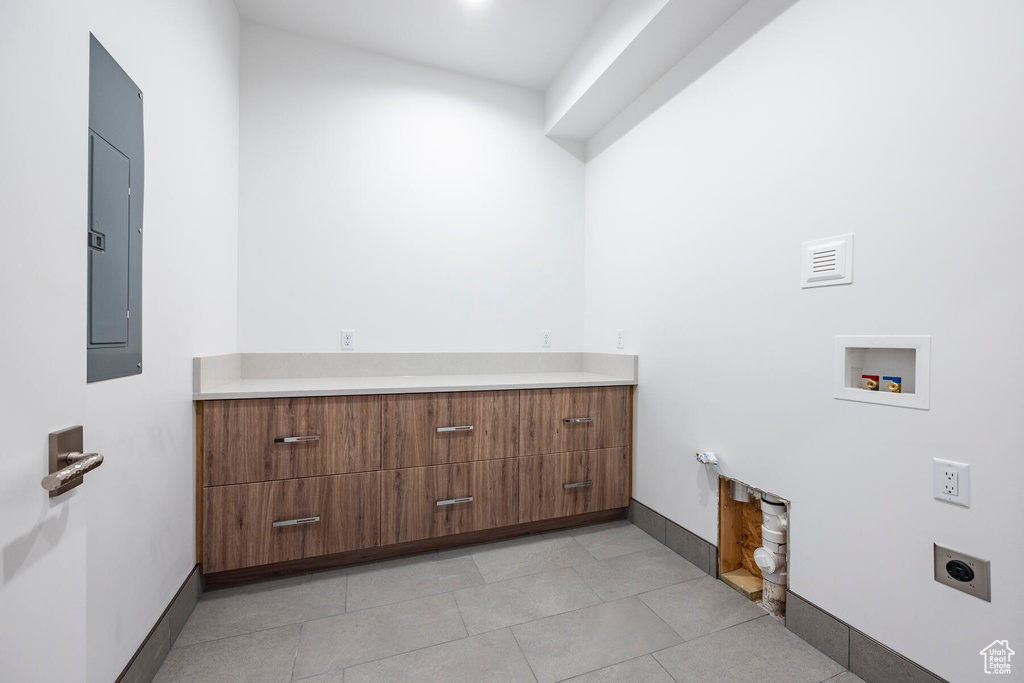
{"x":620,"y":339}
{"x":980,"y":586}
{"x":348,"y":340}
{"x":952,"y":482}
{"x":545,"y":339}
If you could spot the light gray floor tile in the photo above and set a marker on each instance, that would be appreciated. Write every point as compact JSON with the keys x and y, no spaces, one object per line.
{"x":329,"y":645}
{"x":257,"y":607}
{"x":468,"y":550}
{"x":325,"y":678}
{"x":396,"y":581}
{"x":704,"y":605}
{"x":489,"y":658}
{"x":618,"y":538}
{"x":589,"y":639}
{"x":640,"y":572}
{"x":576,"y":531}
{"x":529,"y":556}
{"x":497,"y":605}
{"x":846,"y":677}
{"x":759,"y":651}
{"x":643,"y":670}
{"x":264,"y":584}
{"x":262,"y":657}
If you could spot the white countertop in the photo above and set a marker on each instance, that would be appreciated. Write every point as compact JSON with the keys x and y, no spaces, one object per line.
{"x":240,"y":376}
{"x":409,"y":384}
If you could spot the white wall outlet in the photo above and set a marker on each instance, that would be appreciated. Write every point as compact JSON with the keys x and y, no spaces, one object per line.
{"x":545,"y":339}
{"x":952,"y":482}
{"x":620,"y":339}
{"x":348,"y":340}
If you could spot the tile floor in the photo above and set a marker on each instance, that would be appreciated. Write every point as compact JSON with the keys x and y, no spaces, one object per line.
{"x":594,"y":604}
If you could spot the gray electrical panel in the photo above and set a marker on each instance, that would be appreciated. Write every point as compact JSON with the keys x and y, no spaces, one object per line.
{"x":115,"y":219}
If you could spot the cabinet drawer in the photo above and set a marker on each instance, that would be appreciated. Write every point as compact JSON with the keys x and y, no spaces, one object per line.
{"x":576,"y":419}
{"x":286,"y":438}
{"x":424,"y":502}
{"x":439,"y":429}
{"x":247,"y":525}
{"x":566,"y":484}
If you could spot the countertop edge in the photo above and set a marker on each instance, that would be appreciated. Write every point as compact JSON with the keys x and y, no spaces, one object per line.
{"x":215,"y":395}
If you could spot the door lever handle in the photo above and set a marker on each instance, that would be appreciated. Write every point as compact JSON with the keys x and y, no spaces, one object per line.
{"x":78,"y":465}
{"x":67,"y":463}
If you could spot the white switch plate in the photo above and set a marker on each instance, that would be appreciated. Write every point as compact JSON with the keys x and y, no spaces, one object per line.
{"x":952,"y":482}
{"x":348,"y":340}
{"x":545,"y":338}
{"x":620,"y":339}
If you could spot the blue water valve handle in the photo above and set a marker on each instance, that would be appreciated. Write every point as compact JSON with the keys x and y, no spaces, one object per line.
{"x":898,"y":380}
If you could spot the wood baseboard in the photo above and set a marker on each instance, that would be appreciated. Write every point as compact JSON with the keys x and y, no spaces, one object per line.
{"x":266,"y":571}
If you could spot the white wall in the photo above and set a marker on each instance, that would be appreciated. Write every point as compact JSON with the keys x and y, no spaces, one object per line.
{"x":619,"y":25}
{"x":421,"y":208}
{"x":899,"y":122}
{"x":184,"y":55}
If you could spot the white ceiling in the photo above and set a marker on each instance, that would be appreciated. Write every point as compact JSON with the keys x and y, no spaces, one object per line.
{"x":523,"y":42}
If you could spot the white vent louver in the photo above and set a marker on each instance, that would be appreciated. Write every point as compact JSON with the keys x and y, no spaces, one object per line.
{"x":827,"y":262}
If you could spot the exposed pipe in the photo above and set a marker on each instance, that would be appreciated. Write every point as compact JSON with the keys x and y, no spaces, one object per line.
{"x":771,"y":556}
{"x":740,"y":492}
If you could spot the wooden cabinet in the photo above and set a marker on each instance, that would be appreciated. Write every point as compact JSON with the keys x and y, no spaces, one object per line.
{"x":320,"y":481}
{"x":439,"y":429}
{"x":564,"y":484}
{"x":264,"y":439}
{"x":426,"y":502}
{"x":573,"y":419}
{"x":275,"y":521}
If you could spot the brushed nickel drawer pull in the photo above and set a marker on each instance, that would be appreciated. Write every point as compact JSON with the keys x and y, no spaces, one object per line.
{"x":293,"y":522}
{"x":578,"y":420}
{"x":453,"y":501}
{"x":579,"y":484}
{"x":463,"y":428}
{"x":296,"y":439}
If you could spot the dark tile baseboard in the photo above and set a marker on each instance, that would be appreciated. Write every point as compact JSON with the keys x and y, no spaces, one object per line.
{"x":862,"y":655}
{"x":685,"y":543}
{"x":147,"y":660}
{"x":819,"y":628}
